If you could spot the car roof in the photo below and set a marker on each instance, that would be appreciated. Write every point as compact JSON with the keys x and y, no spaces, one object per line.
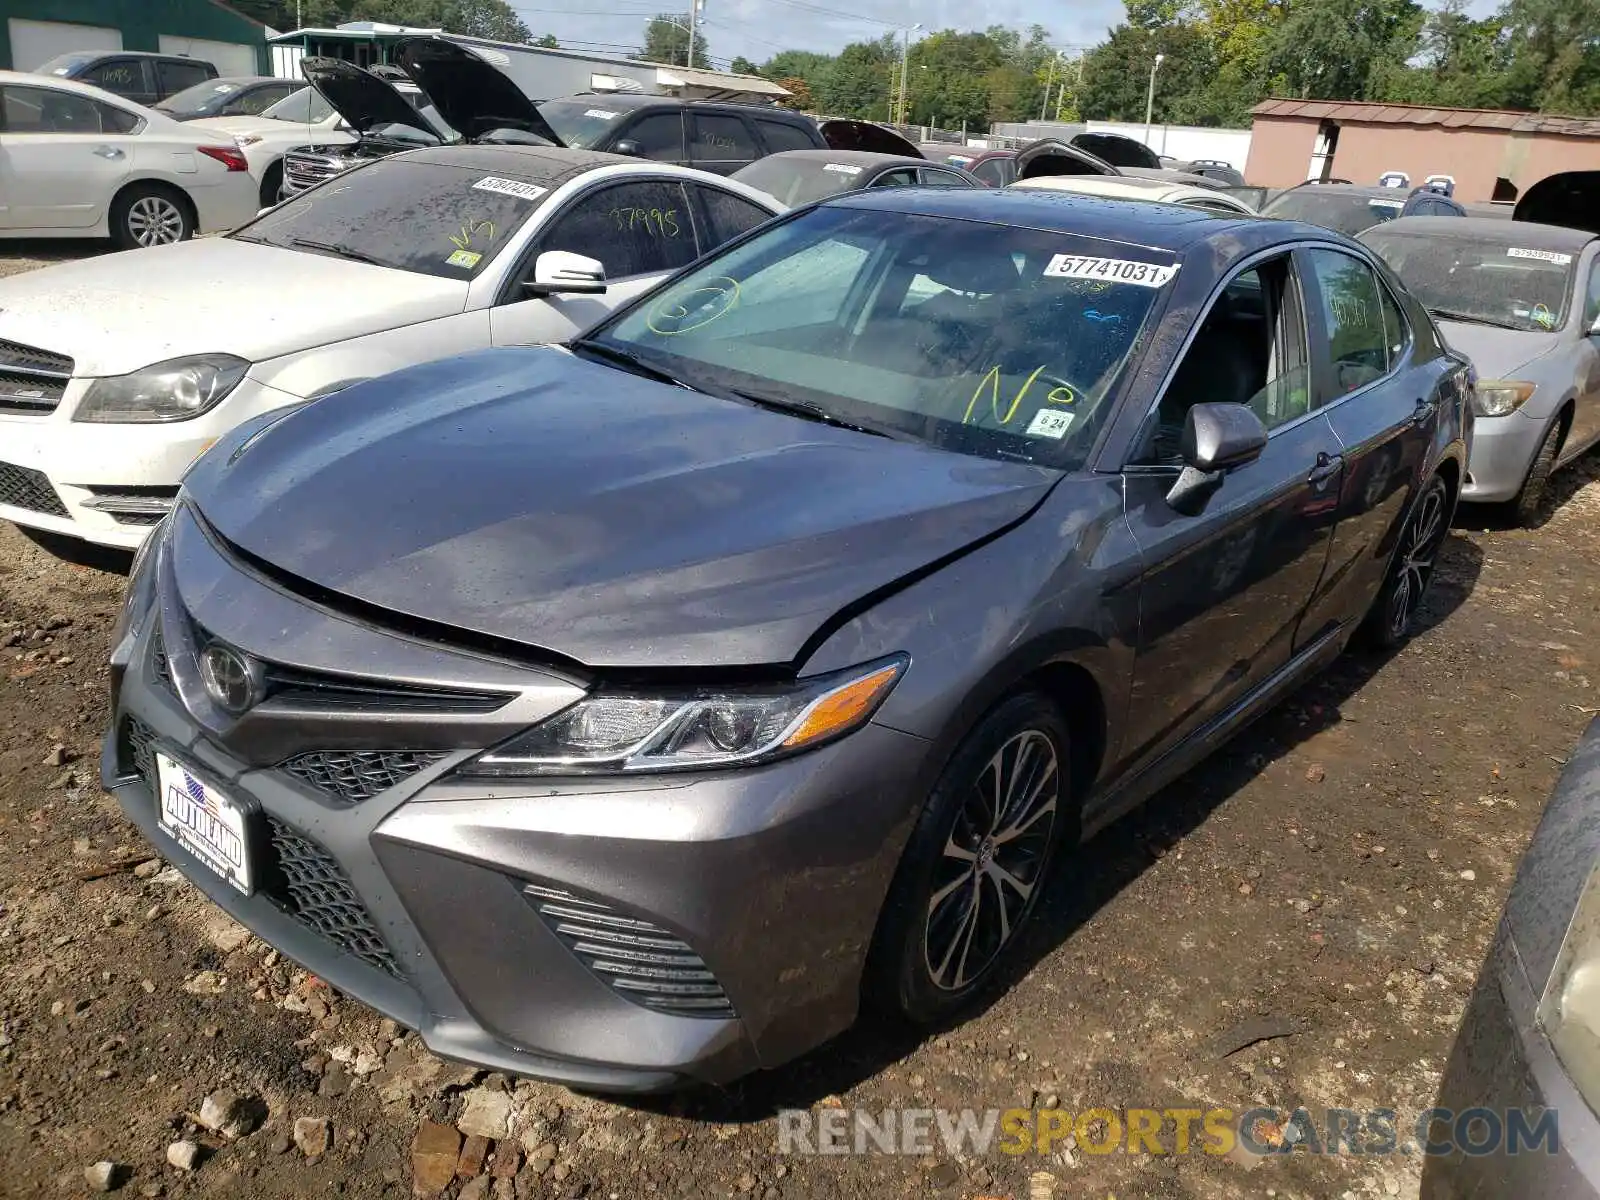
{"x":77,"y":87}
{"x":1364,"y":190}
{"x":1128,"y":186}
{"x":1159,"y":226}
{"x":631,"y":100}
{"x":1491,"y":229}
{"x":553,"y":165}
{"x":855,"y":158}
{"x":94,"y":55}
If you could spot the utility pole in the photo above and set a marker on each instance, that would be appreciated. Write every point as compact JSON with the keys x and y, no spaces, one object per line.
{"x":694,"y":25}
{"x":905,"y":75}
{"x":1050,"y":82}
{"x":1150,"y":100}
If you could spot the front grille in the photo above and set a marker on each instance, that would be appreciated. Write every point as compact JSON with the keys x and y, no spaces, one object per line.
{"x":133,"y":505}
{"x":32,"y":381}
{"x":136,"y":751}
{"x":23,"y":487}
{"x":313,"y":889}
{"x":301,"y":171}
{"x":642,"y":962}
{"x":351,"y":776}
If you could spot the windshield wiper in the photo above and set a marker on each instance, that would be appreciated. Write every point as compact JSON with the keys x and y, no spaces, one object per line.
{"x":340,"y":250}
{"x":807,"y":411}
{"x":628,"y":361}
{"x":1450,"y":314}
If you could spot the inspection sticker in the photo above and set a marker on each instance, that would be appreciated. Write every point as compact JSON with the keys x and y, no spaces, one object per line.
{"x":842,"y":169}
{"x":510,"y":187}
{"x":465,"y":258}
{"x":1114,"y":270}
{"x":1549,"y":256}
{"x":1050,"y":423}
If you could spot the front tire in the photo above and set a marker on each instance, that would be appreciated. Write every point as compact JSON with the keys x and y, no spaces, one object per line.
{"x":975,"y":866}
{"x":150,"y":214}
{"x":1394,"y":611}
{"x":1525,"y":505}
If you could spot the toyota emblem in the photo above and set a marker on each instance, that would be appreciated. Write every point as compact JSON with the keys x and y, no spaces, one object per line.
{"x":232,"y":681}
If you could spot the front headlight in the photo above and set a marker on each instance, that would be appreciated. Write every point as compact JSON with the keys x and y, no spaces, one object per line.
{"x":1569,"y":1011}
{"x":1498,"y":397}
{"x":140,"y":596}
{"x":169,"y":391}
{"x":620,"y":733}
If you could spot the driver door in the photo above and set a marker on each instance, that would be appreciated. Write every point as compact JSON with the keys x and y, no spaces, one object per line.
{"x":1223,"y":592}
{"x":641,"y":231}
{"x":1586,"y":413}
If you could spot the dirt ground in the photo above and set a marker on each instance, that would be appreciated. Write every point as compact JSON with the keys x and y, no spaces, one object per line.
{"x":1336,"y":871}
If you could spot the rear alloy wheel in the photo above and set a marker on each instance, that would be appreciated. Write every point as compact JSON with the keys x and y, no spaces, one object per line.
{"x":975,"y":867}
{"x":145,"y":217}
{"x":1412,"y":569}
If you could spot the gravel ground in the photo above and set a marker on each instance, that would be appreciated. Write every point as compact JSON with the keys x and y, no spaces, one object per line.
{"x":1336,"y":871}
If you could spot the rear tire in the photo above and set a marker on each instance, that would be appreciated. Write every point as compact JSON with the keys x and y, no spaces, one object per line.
{"x":975,"y":865}
{"x":150,"y":214}
{"x":272,"y":184}
{"x":1394,"y":610}
{"x":1525,"y":505}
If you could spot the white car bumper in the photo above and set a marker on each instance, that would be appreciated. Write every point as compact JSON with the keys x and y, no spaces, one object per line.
{"x":227,"y":204}
{"x":108,"y":484}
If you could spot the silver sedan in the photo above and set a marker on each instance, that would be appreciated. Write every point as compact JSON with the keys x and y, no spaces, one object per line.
{"x":1523,"y":302}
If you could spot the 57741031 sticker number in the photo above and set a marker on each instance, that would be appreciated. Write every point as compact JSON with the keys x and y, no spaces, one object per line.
{"x":1111,"y":270}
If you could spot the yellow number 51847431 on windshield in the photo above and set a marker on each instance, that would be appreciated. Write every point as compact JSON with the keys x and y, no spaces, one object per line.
{"x":1111,"y":270}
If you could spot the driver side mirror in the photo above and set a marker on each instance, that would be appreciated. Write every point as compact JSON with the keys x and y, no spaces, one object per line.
{"x":561,"y":273}
{"x":1217,"y":438}
{"x":629,"y":147}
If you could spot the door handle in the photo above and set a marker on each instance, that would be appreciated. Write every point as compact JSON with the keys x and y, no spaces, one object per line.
{"x":110,"y":152}
{"x":1327,"y":467}
{"x":1424,"y":411}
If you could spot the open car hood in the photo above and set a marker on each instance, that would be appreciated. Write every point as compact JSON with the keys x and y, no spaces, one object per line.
{"x":864,"y":135}
{"x":361,"y":98}
{"x":1571,"y":198}
{"x":470,"y":94}
{"x":1051,"y":156}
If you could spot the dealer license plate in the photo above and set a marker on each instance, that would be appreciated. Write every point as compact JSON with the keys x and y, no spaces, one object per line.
{"x":204,"y":822}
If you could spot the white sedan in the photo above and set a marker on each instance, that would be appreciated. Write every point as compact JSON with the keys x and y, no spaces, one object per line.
{"x":117,"y":372}
{"x":76,"y":161}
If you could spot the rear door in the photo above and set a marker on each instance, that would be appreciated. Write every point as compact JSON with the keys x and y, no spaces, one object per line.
{"x":1586,"y":415}
{"x":1383,"y":406}
{"x":720,"y":142}
{"x":62,"y":157}
{"x":640,"y":230}
{"x":1224,"y":592}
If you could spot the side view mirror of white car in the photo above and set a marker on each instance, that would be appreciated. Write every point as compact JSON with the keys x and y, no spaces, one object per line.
{"x":560,"y":272}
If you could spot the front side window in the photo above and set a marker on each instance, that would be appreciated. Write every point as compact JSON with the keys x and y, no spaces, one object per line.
{"x":983,"y":339}
{"x":1496,"y":280}
{"x":44,"y":110}
{"x":1353,"y":319}
{"x":305,"y":107}
{"x":658,"y":136}
{"x":1591,"y":308}
{"x":446,"y":221}
{"x":633,"y":228}
{"x":124,"y":76}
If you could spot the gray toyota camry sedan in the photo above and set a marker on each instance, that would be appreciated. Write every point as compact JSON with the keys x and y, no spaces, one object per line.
{"x":632,"y":712}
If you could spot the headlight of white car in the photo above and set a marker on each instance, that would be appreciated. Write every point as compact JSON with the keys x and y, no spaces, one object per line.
{"x":169,"y":391}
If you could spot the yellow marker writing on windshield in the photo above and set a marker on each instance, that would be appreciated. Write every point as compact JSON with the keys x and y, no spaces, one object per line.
{"x":992,"y":382}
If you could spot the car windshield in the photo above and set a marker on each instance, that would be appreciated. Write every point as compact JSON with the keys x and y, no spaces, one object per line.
{"x":63,"y":64}
{"x":797,"y":181}
{"x":583,"y":123}
{"x":305,"y":107}
{"x":201,"y":98}
{"x":1345,"y":212}
{"x":445,"y":221}
{"x":984,"y":339}
{"x":1491,"y":280}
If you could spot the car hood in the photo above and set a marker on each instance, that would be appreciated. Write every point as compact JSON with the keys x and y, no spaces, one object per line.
{"x":361,"y":98}
{"x":473,"y":97}
{"x":864,"y":135}
{"x":1497,"y":353}
{"x":530,"y":496}
{"x":121,"y":312}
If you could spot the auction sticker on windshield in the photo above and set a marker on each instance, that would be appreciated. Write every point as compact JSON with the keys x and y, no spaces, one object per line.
{"x":1549,"y":256}
{"x":842,"y":169}
{"x":601,"y":114}
{"x":204,"y":822}
{"x":510,"y":187}
{"x":1112,"y":270}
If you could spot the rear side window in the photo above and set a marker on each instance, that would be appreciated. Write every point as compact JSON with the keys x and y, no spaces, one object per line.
{"x":781,"y":136}
{"x":1354,"y":319}
{"x":933,"y":177}
{"x":258,"y":101}
{"x":659,"y":136}
{"x":633,"y":228}
{"x":721,"y":139}
{"x":728,"y":216}
{"x":175,"y":76}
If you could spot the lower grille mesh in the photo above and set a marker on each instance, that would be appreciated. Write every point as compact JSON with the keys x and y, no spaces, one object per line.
{"x":24,"y":487}
{"x":640,"y":961}
{"x":315,"y":891}
{"x":351,"y":776}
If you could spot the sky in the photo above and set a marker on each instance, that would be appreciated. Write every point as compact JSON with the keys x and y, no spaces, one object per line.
{"x":757,"y":29}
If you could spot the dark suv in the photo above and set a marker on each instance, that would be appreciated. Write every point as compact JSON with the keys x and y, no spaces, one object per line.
{"x":692,"y":133}
{"x":142,"y":78}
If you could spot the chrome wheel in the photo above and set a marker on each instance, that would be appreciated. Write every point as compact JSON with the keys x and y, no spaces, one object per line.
{"x":1414,"y":566}
{"x":992,"y":861}
{"x":155,"y":221}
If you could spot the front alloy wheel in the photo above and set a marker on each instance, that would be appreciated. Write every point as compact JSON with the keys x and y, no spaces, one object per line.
{"x":975,"y":865}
